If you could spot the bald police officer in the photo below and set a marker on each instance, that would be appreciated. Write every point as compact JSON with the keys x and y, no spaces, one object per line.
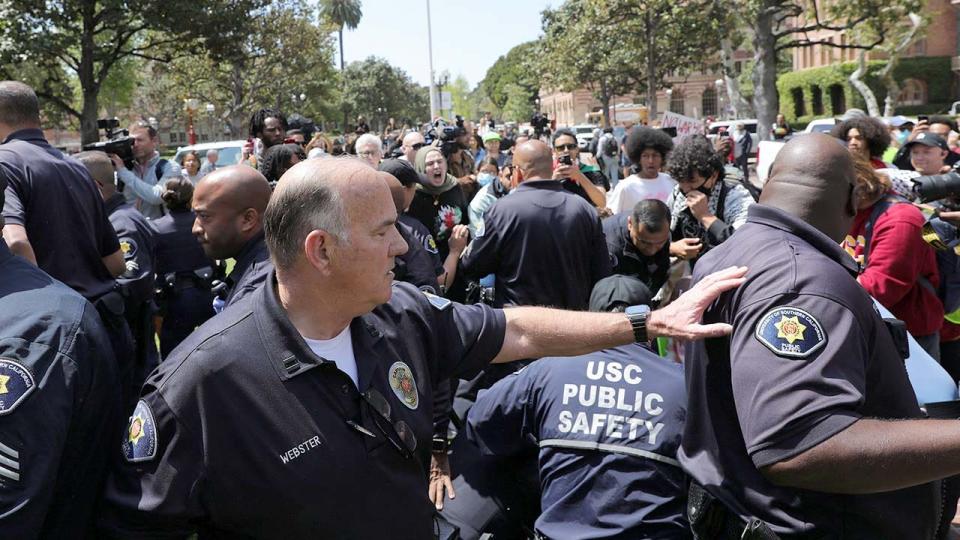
{"x":312,"y":395}
{"x":229,"y":204}
{"x":803,"y":423}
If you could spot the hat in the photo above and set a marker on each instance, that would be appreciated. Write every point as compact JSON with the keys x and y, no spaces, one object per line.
{"x":619,"y":290}
{"x":929,"y":139}
{"x":853,"y":113}
{"x":897,"y":121}
{"x":402,"y":171}
{"x":491,"y":136}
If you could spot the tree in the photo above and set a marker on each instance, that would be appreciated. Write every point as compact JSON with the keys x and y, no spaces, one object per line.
{"x":85,"y":41}
{"x":464,"y":100}
{"x":902,"y":37}
{"x":518,"y":107}
{"x":513,"y":68}
{"x":778,"y":25}
{"x":340,"y":14}
{"x":378,"y":90}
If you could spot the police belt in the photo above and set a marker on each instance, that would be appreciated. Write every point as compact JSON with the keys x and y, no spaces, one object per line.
{"x":710,"y":519}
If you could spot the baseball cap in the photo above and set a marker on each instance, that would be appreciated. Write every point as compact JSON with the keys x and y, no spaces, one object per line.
{"x":491,"y":136}
{"x":930,"y":139}
{"x":897,"y":121}
{"x":619,"y":291}
{"x":402,"y":171}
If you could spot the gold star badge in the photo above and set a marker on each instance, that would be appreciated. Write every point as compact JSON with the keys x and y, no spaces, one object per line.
{"x":136,"y":429}
{"x":3,"y":383}
{"x":790,"y":329}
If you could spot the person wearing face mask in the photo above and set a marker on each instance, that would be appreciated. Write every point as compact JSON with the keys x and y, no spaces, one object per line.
{"x":705,"y":210}
{"x":494,"y":183}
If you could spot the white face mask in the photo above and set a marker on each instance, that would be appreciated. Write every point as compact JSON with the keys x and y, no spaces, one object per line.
{"x":485,"y":178}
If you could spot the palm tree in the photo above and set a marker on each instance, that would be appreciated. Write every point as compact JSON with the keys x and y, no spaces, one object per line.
{"x":341,"y":13}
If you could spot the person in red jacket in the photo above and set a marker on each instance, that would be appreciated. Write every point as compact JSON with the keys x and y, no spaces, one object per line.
{"x":898,"y":267}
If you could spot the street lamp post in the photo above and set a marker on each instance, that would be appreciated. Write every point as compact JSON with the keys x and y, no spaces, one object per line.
{"x":191,"y":106}
{"x":669,"y":92}
{"x":210,"y":108}
{"x":433,"y":90}
{"x":720,"y":91}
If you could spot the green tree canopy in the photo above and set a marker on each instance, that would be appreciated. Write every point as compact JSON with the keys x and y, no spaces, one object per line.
{"x":378,"y":90}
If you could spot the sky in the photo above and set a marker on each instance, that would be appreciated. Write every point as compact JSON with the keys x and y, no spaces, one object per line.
{"x":468,"y":36}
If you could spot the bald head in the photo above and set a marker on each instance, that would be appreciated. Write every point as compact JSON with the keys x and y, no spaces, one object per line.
{"x":19,"y":107}
{"x":101,"y":169}
{"x":319,"y":194}
{"x":813,"y":179}
{"x":238,"y":187}
{"x":534,"y":159}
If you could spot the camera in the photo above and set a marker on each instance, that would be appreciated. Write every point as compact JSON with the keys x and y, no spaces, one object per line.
{"x":118,"y":141}
{"x":937,"y":187}
{"x":539,"y":122}
{"x":448,"y":137}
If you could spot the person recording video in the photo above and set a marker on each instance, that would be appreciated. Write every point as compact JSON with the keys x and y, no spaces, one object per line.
{"x":145,"y":180}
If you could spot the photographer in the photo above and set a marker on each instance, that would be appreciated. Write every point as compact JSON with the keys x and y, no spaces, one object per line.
{"x":940,"y":126}
{"x":578,"y":178}
{"x":144,"y":184}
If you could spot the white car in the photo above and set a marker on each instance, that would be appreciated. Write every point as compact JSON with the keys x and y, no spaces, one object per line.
{"x":727,"y":125}
{"x":229,"y":152}
{"x":822,"y":125}
{"x":584,"y":134}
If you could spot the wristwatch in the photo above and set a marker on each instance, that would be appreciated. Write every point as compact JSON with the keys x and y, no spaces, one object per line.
{"x":439,"y":445}
{"x":638,"y":315}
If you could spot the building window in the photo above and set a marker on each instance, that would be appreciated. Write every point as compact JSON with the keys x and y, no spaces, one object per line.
{"x":799,"y":108}
{"x":913,"y":92}
{"x":738,"y":67}
{"x":919,"y":48}
{"x":677,"y":102}
{"x":838,"y":102}
{"x":816,"y":101}
{"x":709,"y":102}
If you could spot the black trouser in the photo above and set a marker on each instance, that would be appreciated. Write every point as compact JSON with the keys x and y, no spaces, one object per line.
{"x":110,"y":306}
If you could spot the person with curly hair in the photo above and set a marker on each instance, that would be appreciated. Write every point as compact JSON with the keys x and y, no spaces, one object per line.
{"x":277,"y":159}
{"x":867,"y":138}
{"x":648,"y":149}
{"x":705,"y":209}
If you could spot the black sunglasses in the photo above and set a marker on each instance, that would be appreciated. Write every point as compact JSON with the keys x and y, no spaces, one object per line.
{"x":567,"y":147}
{"x":418,"y":145}
{"x":401,"y":431}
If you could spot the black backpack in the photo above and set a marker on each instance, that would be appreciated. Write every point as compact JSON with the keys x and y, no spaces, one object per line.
{"x":610,"y":146}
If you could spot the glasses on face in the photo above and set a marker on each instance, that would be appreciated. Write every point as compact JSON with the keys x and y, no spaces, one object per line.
{"x":418,"y":145}
{"x":403,"y":438}
{"x":568,"y":147}
{"x":366,"y":153}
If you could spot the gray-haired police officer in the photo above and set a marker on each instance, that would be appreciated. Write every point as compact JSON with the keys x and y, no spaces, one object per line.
{"x":304,"y":410}
{"x":797,"y":423}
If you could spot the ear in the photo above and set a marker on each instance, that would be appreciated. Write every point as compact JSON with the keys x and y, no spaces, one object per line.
{"x":316,"y":248}
{"x":630,"y":222}
{"x":249,"y":219}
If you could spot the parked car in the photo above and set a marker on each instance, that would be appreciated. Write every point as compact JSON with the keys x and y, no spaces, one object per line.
{"x":584,"y":133}
{"x":727,"y":126}
{"x":229,"y":152}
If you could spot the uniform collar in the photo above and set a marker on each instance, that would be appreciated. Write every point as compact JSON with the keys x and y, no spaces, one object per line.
{"x":30,"y":135}
{"x":248,"y":253}
{"x":774,"y":217}
{"x":290,"y":354}
{"x":545,"y":183}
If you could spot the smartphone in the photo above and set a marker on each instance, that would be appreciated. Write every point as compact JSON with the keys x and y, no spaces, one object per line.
{"x":922,"y":118}
{"x":565,"y":160}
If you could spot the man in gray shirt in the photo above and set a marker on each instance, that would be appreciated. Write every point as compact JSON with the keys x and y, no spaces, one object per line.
{"x":144,"y":184}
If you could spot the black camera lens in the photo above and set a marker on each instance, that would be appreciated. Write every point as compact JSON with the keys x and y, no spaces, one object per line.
{"x":937,"y":186}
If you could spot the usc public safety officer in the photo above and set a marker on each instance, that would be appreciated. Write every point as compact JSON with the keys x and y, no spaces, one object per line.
{"x":304,"y":410}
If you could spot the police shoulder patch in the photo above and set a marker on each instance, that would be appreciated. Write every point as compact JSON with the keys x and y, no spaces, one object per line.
{"x":430,"y":244}
{"x":790,"y":332}
{"x":437,"y":301}
{"x":140,"y":439}
{"x":16,"y":384}
{"x":129,"y":247}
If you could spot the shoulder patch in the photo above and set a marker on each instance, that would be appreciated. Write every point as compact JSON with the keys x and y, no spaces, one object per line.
{"x":140,"y":438}
{"x":403,"y":384}
{"x":16,"y":383}
{"x":129,"y":247}
{"x":790,"y":332}
{"x":430,"y":244}
{"x":437,"y":301}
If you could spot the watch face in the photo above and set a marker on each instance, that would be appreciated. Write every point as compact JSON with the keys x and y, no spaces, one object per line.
{"x":637,"y":310}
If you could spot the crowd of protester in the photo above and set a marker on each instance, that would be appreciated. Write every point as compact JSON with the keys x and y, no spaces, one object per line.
{"x":485,"y":215}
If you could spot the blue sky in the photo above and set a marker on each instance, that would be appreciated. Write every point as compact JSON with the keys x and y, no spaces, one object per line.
{"x":468,"y":36}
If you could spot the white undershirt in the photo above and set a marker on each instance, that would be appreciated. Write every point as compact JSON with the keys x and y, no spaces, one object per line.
{"x":338,"y":350}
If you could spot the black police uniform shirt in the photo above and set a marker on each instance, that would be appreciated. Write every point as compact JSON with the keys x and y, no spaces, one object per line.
{"x":416,"y":266}
{"x":423,"y":236}
{"x":545,"y":246}
{"x":58,"y":404}
{"x":252,"y":267}
{"x":808,"y":357}
{"x":244,"y":431}
{"x":178,"y":250}
{"x":608,"y":425}
{"x":54,"y":198}
{"x":137,"y":237}
{"x":627,"y":260}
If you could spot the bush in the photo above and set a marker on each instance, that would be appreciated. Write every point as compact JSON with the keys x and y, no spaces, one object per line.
{"x":935,"y":71}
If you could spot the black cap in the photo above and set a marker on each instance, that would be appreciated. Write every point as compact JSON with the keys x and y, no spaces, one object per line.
{"x":930,"y":139}
{"x":403,"y":171}
{"x":619,"y":291}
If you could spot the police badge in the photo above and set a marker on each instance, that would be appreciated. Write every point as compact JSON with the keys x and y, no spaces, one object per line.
{"x":403,"y":384}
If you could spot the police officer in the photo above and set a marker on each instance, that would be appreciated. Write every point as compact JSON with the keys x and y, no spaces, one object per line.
{"x":794,"y":416}
{"x":416,"y":266}
{"x":639,"y":244}
{"x":58,"y":404}
{"x":184,"y":272}
{"x":54,"y":217}
{"x":229,"y":205}
{"x":608,"y":427}
{"x":138,"y":243}
{"x":545,"y":246}
{"x":312,"y":395}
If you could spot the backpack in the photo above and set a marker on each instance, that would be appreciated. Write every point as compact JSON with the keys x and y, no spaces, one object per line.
{"x":942,"y":237}
{"x":610,"y":147}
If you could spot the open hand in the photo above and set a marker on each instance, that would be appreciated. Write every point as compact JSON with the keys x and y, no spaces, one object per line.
{"x":681,"y":318}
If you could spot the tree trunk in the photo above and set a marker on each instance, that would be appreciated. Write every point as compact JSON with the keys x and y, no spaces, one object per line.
{"x":605,"y":103}
{"x":344,"y":82}
{"x":89,"y":86}
{"x":741,"y":107}
{"x":651,"y":28}
{"x":856,"y":79}
{"x":237,"y":115}
{"x":88,"y":119}
{"x":765,"y":99}
{"x":886,"y":75}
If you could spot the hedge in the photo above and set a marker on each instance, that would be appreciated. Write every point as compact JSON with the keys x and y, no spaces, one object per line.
{"x":934,"y":70}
